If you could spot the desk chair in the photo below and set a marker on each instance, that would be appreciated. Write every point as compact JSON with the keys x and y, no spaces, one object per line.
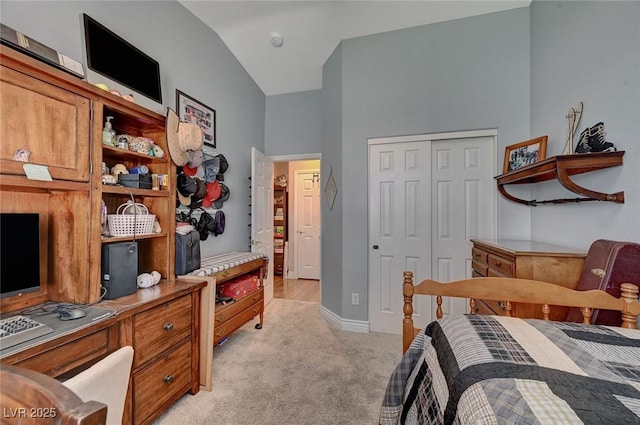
{"x":32,"y":398}
{"x":107,"y":382}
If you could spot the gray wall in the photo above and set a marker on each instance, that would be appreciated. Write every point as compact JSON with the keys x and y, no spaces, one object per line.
{"x":459,"y":75}
{"x":590,"y":52}
{"x":293,"y":123}
{"x":192,"y":58}
{"x":332,"y":228}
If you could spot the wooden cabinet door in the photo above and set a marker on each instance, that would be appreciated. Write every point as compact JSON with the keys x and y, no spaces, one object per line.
{"x":50,"y":122}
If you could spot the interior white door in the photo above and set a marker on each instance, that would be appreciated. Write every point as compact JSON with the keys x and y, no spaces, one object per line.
{"x":262,"y":213}
{"x":426,"y":200}
{"x":399,"y":229}
{"x":307,"y":219}
{"x":464,"y":207}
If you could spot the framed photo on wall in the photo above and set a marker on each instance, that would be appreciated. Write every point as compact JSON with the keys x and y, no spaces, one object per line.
{"x":524,"y":153}
{"x":193,"y":111}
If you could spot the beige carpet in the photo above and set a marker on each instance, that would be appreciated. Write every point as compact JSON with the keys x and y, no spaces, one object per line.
{"x":297,"y":370}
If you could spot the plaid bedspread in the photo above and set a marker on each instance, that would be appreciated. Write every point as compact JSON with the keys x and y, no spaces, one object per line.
{"x":478,"y":369}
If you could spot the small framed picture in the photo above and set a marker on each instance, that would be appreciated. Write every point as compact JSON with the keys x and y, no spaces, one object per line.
{"x":524,"y":153}
{"x":190,"y":110}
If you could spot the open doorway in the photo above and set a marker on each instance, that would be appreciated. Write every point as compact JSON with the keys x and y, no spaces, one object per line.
{"x":297,"y":191}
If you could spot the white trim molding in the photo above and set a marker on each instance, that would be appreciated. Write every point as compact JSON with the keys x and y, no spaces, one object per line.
{"x":359,"y":326}
{"x":434,"y":136}
{"x":295,"y":157}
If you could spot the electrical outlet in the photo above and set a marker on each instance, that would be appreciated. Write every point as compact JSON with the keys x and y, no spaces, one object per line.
{"x":355,"y":299}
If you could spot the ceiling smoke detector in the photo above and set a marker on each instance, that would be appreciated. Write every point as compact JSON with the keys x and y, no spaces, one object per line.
{"x":276,"y":39}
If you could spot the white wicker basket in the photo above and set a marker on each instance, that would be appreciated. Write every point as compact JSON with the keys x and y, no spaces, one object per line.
{"x":131,"y":218}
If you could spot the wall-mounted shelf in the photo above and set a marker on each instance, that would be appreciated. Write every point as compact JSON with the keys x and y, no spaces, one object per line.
{"x":561,"y":167}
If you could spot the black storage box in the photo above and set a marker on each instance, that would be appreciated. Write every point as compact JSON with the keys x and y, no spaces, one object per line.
{"x":139,"y":181}
{"x":187,"y":252}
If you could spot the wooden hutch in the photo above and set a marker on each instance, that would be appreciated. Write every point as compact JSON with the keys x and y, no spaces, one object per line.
{"x":59,"y":118}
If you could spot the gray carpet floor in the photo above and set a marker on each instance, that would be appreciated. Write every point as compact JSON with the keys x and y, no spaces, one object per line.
{"x":297,"y":370}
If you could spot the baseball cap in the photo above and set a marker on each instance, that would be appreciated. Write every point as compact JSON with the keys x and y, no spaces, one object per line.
{"x":224,"y":196}
{"x":213,"y":193}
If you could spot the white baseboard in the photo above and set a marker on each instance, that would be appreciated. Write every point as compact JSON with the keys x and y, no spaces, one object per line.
{"x":361,"y":326}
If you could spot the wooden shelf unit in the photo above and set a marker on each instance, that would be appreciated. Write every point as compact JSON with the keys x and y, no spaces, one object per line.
{"x":60,"y":118}
{"x":279,"y":223}
{"x":561,"y":167}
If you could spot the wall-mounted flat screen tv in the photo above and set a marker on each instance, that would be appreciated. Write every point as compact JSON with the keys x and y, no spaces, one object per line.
{"x":113,"y":57}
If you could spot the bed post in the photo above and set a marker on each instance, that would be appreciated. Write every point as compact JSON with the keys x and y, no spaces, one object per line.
{"x":407,"y":322}
{"x":629,"y":293}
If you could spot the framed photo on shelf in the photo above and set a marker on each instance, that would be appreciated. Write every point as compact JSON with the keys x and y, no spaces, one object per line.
{"x":193,"y":111}
{"x":524,"y":153}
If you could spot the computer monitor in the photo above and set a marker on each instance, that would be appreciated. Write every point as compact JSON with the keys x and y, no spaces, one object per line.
{"x":19,"y":254}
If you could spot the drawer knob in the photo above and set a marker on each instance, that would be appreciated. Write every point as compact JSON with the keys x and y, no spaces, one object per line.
{"x":168,"y":327}
{"x":168,"y":379}
{"x":502,"y":305}
{"x":498,"y":263}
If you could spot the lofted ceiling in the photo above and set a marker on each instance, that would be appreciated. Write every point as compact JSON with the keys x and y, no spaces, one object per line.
{"x":311,"y":30}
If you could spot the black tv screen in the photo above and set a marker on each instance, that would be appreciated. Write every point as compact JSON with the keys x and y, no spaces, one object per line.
{"x":19,"y":253}
{"x":110,"y":55}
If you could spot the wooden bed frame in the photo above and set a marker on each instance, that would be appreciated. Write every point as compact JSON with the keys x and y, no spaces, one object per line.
{"x":511,"y":290}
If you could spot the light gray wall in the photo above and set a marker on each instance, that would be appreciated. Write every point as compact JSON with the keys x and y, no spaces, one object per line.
{"x":192,"y":58}
{"x":459,"y":75}
{"x":293,"y":123}
{"x":332,"y":230}
{"x":590,"y":52}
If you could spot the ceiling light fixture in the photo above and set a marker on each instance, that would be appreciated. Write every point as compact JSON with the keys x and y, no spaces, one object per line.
{"x":276,"y":39}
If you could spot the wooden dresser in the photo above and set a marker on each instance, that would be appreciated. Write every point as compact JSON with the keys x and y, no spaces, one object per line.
{"x":525,"y":260}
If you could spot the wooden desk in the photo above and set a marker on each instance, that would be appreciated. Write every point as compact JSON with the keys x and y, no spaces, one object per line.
{"x":65,"y":351}
{"x":162,"y":325}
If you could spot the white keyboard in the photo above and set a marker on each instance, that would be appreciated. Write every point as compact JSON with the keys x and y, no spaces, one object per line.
{"x":18,"y":329}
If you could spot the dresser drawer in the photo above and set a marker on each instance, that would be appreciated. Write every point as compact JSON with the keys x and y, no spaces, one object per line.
{"x":228,"y":311}
{"x":160,"y":328}
{"x":479,"y":269}
{"x":163,"y":382}
{"x":500,"y":266}
{"x":474,"y":273}
{"x":220,"y":331}
{"x":483,"y":308}
{"x":495,"y":307}
{"x":479,"y":256}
